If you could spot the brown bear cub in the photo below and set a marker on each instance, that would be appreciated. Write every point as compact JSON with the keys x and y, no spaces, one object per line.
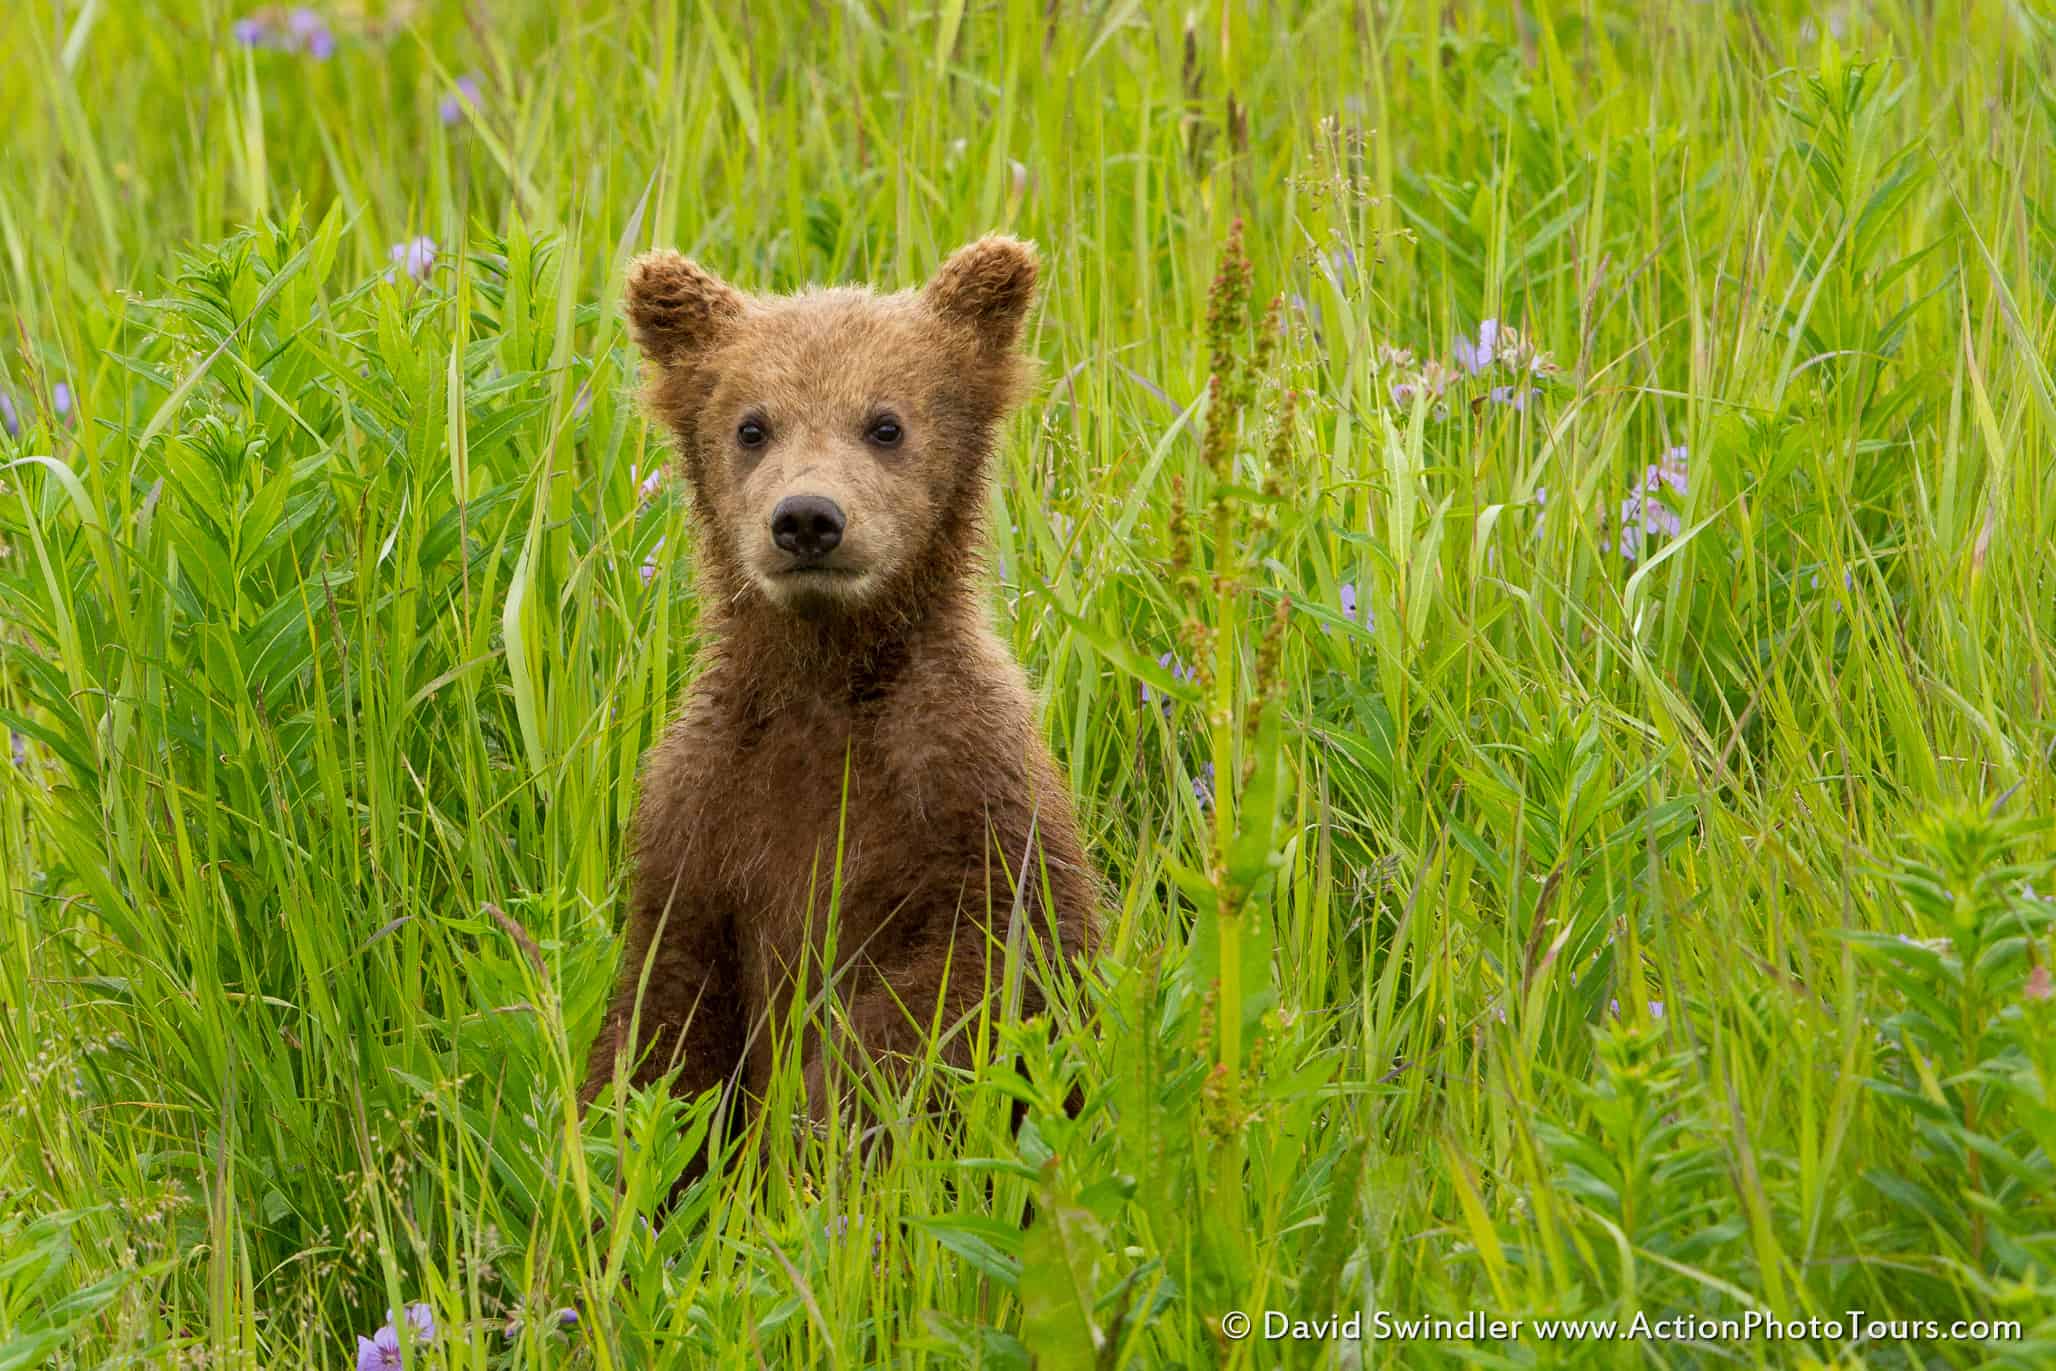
{"x":859,"y":739}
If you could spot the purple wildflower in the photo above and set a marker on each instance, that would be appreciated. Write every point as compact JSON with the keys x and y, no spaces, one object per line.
{"x":567,"y":1318}
{"x":646,"y":488}
{"x":308,"y":32}
{"x":60,"y":399}
{"x":649,"y":566}
{"x":1848,"y":583}
{"x":1337,"y":264}
{"x":1837,"y":24}
{"x":381,"y":1351}
{"x":302,"y":30}
{"x":20,"y":749}
{"x":1354,"y":610}
{"x":1476,"y":357}
{"x":1514,"y":396}
{"x":1403,"y":393}
{"x":1179,"y":672}
{"x":1203,"y":786}
{"x":1670,"y":471}
{"x":1630,"y":529}
{"x":9,"y":420}
{"x":416,"y":257}
{"x":1309,"y":310}
{"x":1641,"y":517}
{"x":1642,"y":514}
{"x":452,"y":107}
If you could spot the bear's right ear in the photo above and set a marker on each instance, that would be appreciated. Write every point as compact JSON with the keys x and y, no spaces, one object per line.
{"x":677,"y":308}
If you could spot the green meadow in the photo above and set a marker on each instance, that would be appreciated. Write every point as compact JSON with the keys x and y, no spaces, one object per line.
{"x":1535,"y":537}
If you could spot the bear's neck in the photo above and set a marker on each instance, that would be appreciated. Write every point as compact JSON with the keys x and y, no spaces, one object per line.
{"x":854,"y":659}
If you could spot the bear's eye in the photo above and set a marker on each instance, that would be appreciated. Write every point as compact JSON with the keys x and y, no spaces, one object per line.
{"x":885,"y":431}
{"x":752,"y":433}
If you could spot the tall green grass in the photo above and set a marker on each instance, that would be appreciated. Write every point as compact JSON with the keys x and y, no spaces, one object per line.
{"x":1501,"y":923}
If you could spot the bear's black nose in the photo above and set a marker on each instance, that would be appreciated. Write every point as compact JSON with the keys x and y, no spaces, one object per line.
{"x":807,"y":526}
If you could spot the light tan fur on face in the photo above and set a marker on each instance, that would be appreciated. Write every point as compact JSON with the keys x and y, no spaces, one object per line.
{"x":817,"y":394}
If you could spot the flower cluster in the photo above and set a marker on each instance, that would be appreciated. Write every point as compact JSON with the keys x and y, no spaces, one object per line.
{"x":381,"y":1351}
{"x":298,"y":30}
{"x":416,"y":257}
{"x":1643,"y":514}
{"x":1848,"y":584}
{"x":1179,"y":672}
{"x":1499,"y":356}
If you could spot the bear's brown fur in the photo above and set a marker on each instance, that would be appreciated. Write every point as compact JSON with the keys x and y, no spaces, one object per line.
{"x":856,"y":710}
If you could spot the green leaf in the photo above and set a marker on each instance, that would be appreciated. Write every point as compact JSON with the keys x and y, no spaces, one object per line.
{"x":1253,"y":853}
{"x":1059,"y":1260}
{"x":981,"y":1242}
{"x":1126,"y":659}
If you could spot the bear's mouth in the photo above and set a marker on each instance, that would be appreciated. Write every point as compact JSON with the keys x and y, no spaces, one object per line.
{"x":814,"y":583}
{"x":812,"y":589}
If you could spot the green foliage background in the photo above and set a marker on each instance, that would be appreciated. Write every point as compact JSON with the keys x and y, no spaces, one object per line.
{"x":1557,"y":933}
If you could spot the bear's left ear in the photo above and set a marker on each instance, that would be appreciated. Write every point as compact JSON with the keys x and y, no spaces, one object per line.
{"x":986,"y":286}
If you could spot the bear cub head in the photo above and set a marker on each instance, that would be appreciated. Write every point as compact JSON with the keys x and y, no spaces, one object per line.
{"x":835,"y":441}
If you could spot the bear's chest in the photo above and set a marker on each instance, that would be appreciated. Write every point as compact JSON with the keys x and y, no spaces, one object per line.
{"x":822,"y":808}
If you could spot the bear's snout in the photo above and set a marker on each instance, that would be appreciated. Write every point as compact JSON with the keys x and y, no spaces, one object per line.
{"x":807,"y":526}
